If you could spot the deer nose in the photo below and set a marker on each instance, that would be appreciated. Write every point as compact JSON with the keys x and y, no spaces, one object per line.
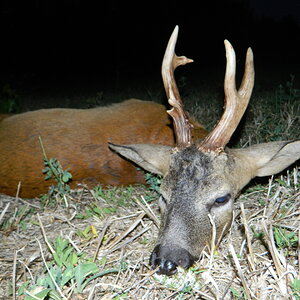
{"x":168,"y":258}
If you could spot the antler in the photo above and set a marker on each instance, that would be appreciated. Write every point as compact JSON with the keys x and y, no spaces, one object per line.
{"x":236,"y":102}
{"x":170,"y":62}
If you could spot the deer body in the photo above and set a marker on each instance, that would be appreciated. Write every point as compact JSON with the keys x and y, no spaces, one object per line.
{"x":201,"y":178}
{"x":79,"y":138}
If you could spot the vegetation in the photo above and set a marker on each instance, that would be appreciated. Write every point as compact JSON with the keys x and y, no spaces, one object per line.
{"x":8,"y":100}
{"x":54,"y":170}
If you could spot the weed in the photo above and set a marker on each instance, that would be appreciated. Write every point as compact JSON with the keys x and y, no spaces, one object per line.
{"x":95,"y":210}
{"x":115,"y":196}
{"x":237,"y":295}
{"x":16,"y":220}
{"x":54,"y":170}
{"x":285,"y":239}
{"x":257,"y":235}
{"x":295,"y":285}
{"x":153,"y":181}
{"x":68,"y":269}
{"x":88,"y":233}
{"x":122,"y":296}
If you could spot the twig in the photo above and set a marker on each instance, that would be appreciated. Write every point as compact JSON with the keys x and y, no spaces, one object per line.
{"x":44,"y":235}
{"x":131,"y":287}
{"x":279,"y":204}
{"x":27,"y":268}
{"x":248,"y":238}
{"x":129,"y":240}
{"x":107,"y":223}
{"x":147,"y":209}
{"x":42,"y":147}
{"x":204,"y":295}
{"x":4,"y":211}
{"x":18,"y":190}
{"x":273,"y":249}
{"x":133,"y":225}
{"x":74,"y":245}
{"x":275,"y":257}
{"x":53,"y":170}
{"x":134,"y":268}
{"x":270,"y":186}
{"x":14,"y":275}
{"x":213,"y":240}
{"x":240,"y":273}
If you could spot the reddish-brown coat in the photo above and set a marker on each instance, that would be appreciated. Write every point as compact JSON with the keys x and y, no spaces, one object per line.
{"x":79,"y":139}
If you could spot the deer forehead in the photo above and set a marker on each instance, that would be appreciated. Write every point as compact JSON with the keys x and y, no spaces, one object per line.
{"x":195,"y":174}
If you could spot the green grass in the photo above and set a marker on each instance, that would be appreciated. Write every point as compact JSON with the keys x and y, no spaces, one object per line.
{"x":68,"y":269}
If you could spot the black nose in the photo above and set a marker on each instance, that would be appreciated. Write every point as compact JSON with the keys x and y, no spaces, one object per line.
{"x":168,"y":258}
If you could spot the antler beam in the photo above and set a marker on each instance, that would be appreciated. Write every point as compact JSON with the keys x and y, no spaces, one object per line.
{"x":236,"y":102}
{"x":171,"y":61}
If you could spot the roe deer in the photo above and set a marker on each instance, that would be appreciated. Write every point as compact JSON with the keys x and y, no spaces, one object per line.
{"x":79,"y":138}
{"x":202,"y":179}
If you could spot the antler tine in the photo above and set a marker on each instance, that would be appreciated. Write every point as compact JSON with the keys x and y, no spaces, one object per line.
{"x":236,"y":102}
{"x":181,"y":120}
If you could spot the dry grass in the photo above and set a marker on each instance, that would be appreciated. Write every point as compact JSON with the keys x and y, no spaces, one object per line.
{"x":254,"y":261}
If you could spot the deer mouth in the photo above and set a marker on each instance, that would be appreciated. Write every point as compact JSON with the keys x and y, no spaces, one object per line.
{"x":167,"y":258}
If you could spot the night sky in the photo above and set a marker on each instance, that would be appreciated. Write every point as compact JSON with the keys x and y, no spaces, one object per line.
{"x":91,"y":41}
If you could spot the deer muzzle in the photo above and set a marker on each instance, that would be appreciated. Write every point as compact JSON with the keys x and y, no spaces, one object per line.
{"x":168,"y":258}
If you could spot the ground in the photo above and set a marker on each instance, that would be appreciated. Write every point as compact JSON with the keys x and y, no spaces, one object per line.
{"x":109,"y":236}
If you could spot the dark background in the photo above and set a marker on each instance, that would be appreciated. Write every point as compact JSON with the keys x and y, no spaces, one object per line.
{"x":75,"y":45}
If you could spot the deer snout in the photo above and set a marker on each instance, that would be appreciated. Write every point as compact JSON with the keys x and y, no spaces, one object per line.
{"x":168,"y":258}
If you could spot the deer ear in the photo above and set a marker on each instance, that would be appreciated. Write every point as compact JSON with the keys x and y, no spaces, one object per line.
{"x":153,"y":158}
{"x":272,"y":158}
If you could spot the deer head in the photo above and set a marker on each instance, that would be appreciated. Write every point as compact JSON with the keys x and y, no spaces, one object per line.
{"x":201,"y":179}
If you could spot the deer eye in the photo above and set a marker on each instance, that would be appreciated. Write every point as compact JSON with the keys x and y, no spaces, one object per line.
{"x":222,"y":200}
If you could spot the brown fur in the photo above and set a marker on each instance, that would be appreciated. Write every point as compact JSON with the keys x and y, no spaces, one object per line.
{"x":79,"y":138}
